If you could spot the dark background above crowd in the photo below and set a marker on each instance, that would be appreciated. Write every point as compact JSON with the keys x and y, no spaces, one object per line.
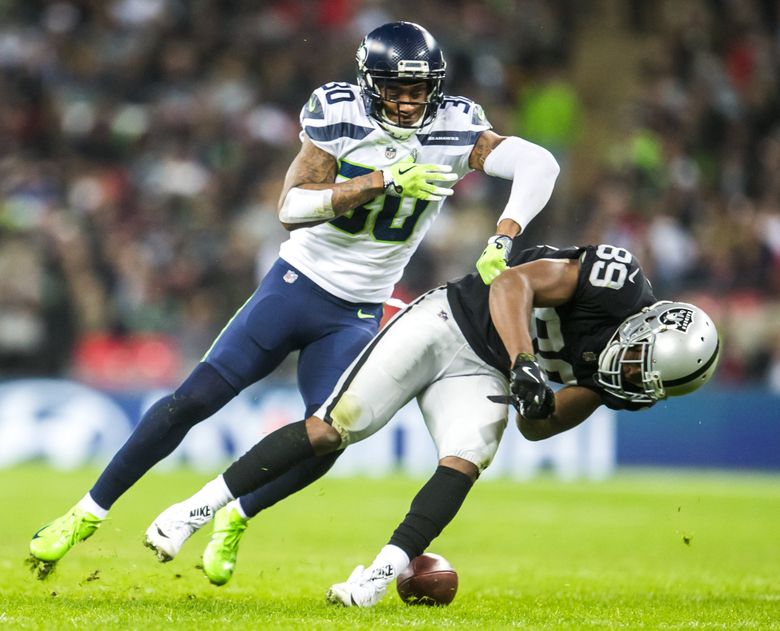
{"x":143,"y":145}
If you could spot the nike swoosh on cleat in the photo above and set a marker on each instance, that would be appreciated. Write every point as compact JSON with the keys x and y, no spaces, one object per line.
{"x":161,"y":533}
{"x":365,"y":316}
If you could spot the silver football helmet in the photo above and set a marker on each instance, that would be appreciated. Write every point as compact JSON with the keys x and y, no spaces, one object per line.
{"x":672,"y":346}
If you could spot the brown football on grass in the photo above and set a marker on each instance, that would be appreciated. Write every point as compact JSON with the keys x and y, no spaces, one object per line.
{"x":429,"y":580}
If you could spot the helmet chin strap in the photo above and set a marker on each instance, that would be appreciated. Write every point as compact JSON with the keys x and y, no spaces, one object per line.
{"x":402,"y":133}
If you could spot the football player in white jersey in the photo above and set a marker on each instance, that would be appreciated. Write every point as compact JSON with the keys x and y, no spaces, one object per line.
{"x":376,"y":162}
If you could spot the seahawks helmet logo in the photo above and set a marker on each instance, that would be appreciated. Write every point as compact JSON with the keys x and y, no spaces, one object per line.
{"x":678,"y":318}
{"x":361,"y":55}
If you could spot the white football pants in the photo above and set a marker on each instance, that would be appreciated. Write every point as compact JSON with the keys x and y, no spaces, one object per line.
{"x":422,"y":353}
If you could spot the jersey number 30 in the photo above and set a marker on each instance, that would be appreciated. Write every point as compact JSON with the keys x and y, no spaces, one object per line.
{"x":389,"y":225}
{"x":393,"y":222}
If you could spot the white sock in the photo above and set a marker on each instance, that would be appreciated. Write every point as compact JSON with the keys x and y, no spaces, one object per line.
{"x":214,"y":494}
{"x":86,"y":503}
{"x":237,"y":505}
{"x":394,"y":556}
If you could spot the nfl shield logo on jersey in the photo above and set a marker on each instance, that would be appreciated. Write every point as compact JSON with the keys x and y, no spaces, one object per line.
{"x":677,"y":318}
{"x":290,"y":277}
{"x":390,"y":153}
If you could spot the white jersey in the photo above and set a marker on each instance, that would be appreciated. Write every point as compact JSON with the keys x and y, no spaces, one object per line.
{"x":360,"y":256}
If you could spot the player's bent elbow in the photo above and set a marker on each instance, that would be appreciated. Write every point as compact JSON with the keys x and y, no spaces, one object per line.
{"x":549,"y":168}
{"x":280,"y":215}
{"x":302,"y":207}
{"x":532,"y":435}
{"x":534,"y":430}
{"x":297,"y":226}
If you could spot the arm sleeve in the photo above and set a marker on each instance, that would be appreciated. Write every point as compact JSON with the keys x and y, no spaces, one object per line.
{"x":533,"y":171}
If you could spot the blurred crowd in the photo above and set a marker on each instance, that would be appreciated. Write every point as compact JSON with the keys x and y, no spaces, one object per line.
{"x":143,"y":144}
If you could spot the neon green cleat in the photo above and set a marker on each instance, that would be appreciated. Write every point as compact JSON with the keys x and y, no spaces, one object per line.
{"x":219,"y":557}
{"x":53,"y":540}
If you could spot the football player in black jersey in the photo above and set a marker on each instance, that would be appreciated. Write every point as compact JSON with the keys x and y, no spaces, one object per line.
{"x":583,"y":317}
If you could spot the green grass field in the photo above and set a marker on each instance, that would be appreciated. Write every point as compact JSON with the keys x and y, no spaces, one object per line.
{"x":642,"y":551}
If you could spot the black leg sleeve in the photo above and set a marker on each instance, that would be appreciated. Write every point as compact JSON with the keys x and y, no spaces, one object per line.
{"x":432,"y":509}
{"x":268,"y":459}
{"x":298,"y":477}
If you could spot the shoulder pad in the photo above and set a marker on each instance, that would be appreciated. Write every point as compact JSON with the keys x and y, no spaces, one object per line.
{"x":459,"y":121}
{"x":335,"y":111}
{"x":464,"y":112}
{"x":313,"y":108}
{"x":335,"y":101}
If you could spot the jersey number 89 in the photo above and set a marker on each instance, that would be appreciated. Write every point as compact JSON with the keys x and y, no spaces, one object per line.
{"x":612,"y":267}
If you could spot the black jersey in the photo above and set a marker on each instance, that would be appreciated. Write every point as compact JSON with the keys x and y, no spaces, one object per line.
{"x":567,"y":339}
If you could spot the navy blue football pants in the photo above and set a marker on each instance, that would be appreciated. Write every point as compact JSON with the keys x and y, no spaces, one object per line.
{"x":287,"y":312}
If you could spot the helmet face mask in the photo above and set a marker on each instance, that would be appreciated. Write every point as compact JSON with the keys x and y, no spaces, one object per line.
{"x":625,"y":369}
{"x":404,"y":103}
{"x":667,"y":349}
{"x":398,"y":54}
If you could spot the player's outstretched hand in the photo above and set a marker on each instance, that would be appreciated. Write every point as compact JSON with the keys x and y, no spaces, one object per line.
{"x":494,"y":258}
{"x":534,"y":398}
{"x":417,"y":180}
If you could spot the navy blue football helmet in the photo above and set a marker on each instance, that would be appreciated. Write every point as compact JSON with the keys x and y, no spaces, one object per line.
{"x":400,"y":52}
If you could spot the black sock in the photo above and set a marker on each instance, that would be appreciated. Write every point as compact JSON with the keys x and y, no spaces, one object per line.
{"x":292,"y":481}
{"x":161,"y":430}
{"x":268,"y":459}
{"x":432,"y":509}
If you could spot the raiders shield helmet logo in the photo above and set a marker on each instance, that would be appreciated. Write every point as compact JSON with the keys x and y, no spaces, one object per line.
{"x":678,"y":318}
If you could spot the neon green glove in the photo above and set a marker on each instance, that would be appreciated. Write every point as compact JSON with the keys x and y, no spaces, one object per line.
{"x":493,"y":259}
{"x":416,"y":180}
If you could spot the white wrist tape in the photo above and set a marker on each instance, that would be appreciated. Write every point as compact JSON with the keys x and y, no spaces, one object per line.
{"x":533,"y":171}
{"x":302,"y":205}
